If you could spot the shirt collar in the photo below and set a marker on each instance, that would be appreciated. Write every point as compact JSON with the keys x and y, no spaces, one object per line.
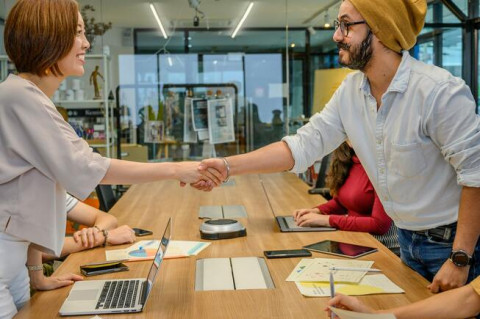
{"x":400,"y":80}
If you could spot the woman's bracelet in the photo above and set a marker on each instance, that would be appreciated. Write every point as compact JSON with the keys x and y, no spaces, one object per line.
{"x":35,"y":267}
{"x":105,"y":234}
{"x":227,"y":165}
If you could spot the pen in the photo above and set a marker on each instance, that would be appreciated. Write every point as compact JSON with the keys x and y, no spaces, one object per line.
{"x":354,"y":269}
{"x":332,"y":293}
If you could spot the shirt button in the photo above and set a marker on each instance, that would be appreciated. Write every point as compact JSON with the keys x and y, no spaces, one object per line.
{"x":382,"y":171}
{"x":379,"y":141}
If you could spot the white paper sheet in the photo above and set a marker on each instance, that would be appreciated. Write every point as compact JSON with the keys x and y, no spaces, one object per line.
{"x":346,"y":314}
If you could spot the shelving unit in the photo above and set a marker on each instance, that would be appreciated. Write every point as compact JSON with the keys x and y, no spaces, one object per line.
{"x":90,"y":103}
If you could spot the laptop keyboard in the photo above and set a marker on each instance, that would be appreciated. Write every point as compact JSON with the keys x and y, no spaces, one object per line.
{"x":118,"y":294}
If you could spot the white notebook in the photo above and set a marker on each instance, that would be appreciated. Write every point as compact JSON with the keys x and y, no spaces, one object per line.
{"x":237,"y":273}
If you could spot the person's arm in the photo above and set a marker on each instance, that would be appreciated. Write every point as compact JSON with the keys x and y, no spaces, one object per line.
{"x":275,"y":157}
{"x":468,"y":230}
{"x":462,"y":302}
{"x":332,"y":207}
{"x":126,"y":172}
{"x":451,"y":122}
{"x":377,"y":223}
{"x":38,"y":281}
{"x":93,"y":236}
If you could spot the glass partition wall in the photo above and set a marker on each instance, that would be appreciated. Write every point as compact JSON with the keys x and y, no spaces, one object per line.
{"x":256,"y":86}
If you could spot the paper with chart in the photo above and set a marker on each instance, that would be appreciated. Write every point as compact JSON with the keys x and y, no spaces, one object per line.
{"x":146,"y":249}
{"x":317,"y":269}
{"x":369,"y":285}
{"x":346,"y":314}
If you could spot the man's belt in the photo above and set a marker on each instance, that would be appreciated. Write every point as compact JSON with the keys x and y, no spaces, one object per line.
{"x":443,"y":233}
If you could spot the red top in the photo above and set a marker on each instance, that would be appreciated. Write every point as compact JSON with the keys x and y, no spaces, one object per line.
{"x":357,"y":206}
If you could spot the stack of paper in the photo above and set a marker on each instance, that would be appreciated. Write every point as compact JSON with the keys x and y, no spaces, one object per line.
{"x":312,"y":278}
{"x":146,"y":249}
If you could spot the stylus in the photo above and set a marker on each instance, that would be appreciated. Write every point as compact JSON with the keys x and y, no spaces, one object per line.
{"x":332,"y":292}
{"x":355,"y":269}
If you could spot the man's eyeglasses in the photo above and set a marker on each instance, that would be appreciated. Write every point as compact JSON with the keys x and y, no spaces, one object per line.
{"x":344,"y":25}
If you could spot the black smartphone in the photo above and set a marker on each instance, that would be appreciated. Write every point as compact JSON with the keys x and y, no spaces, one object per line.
{"x":141,"y":232}
{"x":103,"y":267}
{"x":287,"y":253}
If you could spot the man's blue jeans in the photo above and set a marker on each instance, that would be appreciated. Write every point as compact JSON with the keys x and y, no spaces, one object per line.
{"x":426,"y":255}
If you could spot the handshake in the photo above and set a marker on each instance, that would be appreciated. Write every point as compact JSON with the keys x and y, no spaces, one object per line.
{"x":204,"y":175}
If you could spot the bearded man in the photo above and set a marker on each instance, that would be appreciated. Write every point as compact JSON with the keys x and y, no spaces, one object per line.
{"x":414,"y":128}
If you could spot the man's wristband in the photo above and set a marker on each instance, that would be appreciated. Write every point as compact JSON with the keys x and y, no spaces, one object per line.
{"x":227,"y":166}
{"x":35,"y":267}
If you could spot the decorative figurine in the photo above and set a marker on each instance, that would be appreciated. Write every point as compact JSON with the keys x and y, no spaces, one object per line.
{"x":93,"y":78}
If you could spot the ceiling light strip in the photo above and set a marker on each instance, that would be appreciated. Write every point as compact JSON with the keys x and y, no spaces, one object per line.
{"x":154,"y":11}
{"x":245,"y":15}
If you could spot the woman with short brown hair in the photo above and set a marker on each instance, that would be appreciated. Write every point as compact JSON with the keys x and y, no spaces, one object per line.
{"x":41,"y":157}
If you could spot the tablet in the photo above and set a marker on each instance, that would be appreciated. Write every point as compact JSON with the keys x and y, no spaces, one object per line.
{"x":287,"y":224}
{"x":340,"y":249}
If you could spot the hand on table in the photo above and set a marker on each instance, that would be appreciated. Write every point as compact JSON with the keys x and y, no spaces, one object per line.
{"x":40,"y":282}
{"x":121,"y":235}
{"x":448,"y":277}
{"x":313,"y":219}
{"x":88,"y":237}
{"x":348,"y":303}
{"x":302,"y":211}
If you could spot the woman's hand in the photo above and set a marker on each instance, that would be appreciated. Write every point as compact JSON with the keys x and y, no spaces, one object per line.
{"x":121,"y":235}
{"x":89,"y":237}
{"x":300,"y":212}
{"x":348,"y":303}
{"x":313,"y":219}
{"x":40,"y":282}
{"x":189,"y":173}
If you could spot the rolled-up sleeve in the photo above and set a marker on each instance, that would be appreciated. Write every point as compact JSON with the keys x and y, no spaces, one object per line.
{"x":43,"y":139}
{"x":319,"y":137}
{"x":455,"y":128}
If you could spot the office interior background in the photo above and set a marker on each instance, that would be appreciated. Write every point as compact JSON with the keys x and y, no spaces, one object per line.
{"x":154,"y":54}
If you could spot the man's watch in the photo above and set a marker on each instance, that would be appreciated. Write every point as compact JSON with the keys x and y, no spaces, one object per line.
{"x":461,"y":258}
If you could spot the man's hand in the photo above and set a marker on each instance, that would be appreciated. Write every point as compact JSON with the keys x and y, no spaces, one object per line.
{"x":313,"y":219}
{"x":88,"y":237}
{"x":211,"y":166}
{"x":121,"y":235}
{"x":214,"y":164}
{"x":40,"y":282}
{"x":449,"y":277}
{"x":190,"y":173}
{"x":303,"y":211}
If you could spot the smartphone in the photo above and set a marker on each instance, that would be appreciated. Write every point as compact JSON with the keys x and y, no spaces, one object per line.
{"x":141,"y":232}
{"x":104,"y":267}
{"x":340,"y":249}
{"x":287,"y":253}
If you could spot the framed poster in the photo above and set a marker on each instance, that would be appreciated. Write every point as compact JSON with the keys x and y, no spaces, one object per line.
{"x":220,"y":121}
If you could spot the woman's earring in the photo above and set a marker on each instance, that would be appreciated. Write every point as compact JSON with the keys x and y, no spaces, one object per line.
{"x":47,"y":71}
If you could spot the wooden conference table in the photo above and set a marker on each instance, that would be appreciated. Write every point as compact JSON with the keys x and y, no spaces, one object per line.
{"x":174,"y":296}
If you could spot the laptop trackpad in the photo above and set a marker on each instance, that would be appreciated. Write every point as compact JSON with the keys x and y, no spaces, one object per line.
{"x":79,"y":295}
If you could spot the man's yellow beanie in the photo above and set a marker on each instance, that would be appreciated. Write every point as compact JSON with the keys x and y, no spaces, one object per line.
{"x":396,"y":23}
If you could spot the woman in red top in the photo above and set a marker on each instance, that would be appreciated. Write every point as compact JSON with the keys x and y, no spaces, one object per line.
{"x":355,"y":205}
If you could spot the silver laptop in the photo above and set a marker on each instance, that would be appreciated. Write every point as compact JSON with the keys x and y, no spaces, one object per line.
{"x":115,"y":296}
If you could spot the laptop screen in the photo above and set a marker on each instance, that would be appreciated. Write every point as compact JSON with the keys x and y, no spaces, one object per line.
{"x":162,"y":249}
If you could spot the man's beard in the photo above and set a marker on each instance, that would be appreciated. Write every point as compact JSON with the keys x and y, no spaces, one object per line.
{"x":359,"y":55}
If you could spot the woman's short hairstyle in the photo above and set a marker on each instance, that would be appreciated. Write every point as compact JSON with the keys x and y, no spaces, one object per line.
{"x":39,"y":33}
